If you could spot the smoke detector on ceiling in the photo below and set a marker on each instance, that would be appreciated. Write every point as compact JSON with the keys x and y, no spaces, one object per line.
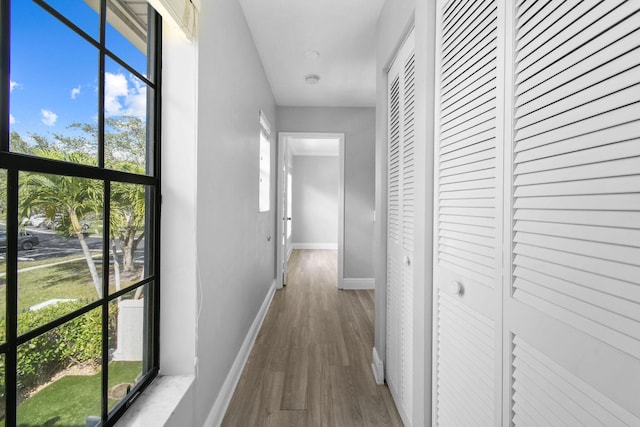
{"x":312,"y":79}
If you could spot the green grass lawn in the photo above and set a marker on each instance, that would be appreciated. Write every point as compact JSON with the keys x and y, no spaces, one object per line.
{"x":70,"y":400}
{"x":70,"y":280}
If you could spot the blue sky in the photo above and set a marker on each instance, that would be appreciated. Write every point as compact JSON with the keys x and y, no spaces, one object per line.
{"x":54,"y":72}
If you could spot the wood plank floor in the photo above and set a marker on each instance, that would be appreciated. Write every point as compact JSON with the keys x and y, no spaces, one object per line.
{"x":311,"y":363}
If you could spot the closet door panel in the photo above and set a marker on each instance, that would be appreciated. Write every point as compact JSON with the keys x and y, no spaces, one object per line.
{"x":468,"y":206}
{"x":572,"y":310}
{"x":401,"y":193}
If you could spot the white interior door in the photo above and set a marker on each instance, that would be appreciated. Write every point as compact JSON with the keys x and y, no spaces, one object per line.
{"x":572,"y":307}
{"x":467,"y":217}
{"x":284,"y":207}
{"x":400,"y":227}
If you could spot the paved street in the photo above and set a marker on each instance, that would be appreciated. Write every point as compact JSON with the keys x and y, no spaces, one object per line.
{"x":54,"y":246}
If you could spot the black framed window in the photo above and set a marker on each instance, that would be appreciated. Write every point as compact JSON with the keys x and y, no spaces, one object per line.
{"x":79,"y":209}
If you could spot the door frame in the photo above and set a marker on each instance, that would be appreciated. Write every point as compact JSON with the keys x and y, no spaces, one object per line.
{"x":282,"y":249}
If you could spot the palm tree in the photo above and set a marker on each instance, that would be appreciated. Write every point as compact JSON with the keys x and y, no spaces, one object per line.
{"x":73,"y":196}
{"x":128,"y":214}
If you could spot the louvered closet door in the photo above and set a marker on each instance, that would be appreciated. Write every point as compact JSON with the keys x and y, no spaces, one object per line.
{"x":572,"y":312}
{"x":468,"y":205}
{"x":400,"y":214}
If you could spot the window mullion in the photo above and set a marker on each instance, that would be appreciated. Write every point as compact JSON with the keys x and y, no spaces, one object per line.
{"x":11,"y":287}
{"x":106,"y":207}
{"x":5,"y":59}
{"x":101,"y":82}
{"x":106,"y":238}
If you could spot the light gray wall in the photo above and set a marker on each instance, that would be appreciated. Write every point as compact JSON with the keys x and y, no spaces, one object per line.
{"x":358,"y":125}
{"x":316,"y":181}
{"x":235,"y":244}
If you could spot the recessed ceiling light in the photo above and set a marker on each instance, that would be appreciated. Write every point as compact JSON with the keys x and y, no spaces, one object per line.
{"x":312,"y":54}
{"x":312,"y":79}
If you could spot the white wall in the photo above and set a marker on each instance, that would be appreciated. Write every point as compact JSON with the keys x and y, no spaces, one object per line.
{"x":315,"y":199}
{"x":178,"y":305}
{"x":235,"y":243}
{"x":358,"y":125}
{"x":396,"y":19}
{"x":178,"y":226}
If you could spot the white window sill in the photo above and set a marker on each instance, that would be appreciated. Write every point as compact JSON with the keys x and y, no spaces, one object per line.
{"x":157,"y":403}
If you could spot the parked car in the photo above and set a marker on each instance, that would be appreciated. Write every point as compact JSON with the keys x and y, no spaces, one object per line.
{"x":56,"y":223}
{"x":26,"y":240}
{"x":35,"y":220}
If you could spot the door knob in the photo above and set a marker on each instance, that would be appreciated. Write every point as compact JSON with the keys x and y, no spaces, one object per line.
{"x":456,"y":288}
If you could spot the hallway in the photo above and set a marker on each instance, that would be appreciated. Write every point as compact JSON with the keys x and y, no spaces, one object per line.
{"x":310,"y":365}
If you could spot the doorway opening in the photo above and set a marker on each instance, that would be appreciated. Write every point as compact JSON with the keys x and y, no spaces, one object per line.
{"x":310,"y":196}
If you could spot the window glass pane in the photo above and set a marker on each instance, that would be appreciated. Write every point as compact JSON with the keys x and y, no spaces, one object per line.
{"x":84,"y":14}
{"x":54,"y":98}
{"x":129,"y":233}
{"x":126,"y":33}
{"x":63,"y":366}
{"x":60,"y":244}
{"x":128,"y":349}
{"x":125,"y":112}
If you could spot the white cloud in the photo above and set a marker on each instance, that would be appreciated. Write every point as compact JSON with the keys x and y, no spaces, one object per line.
{"x":137,"y":100}
{"x":49,"y":118}
{"x":122,"y":98}
{"x":75,"y":92}
{"x":13,"y":85}
{"x":12,"y":119}
{"x":116,"y":87}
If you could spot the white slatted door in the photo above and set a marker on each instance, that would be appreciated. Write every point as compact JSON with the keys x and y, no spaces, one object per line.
{"x":468,"y":206}
{"x":572,"y":312}
{"x":400,"y":228}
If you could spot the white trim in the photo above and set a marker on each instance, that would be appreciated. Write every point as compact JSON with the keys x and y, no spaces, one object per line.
{"x":214,"y":419}
{"x":182,"y":14}
{"x":281,"y":240}
{"x":332,"y":246}
{"x":159,"y":402}
{"x":283,"y":141}
{"x":377,"y":366}
{"x":341,"y":192}
{"x":358,"y":283}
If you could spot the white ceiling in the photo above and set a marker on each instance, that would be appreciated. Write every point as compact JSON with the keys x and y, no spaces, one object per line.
{"x":342,"y":31}
{"x":314,"y":146}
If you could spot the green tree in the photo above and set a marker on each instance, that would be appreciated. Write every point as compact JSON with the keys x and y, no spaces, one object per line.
{"x":72,"y":196}
{"x":125,"y":150}
{"x":127,"y":219}
{"x":18,"y":145}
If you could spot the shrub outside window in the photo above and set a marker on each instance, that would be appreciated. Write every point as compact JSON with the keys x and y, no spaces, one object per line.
{"x":79,"y":209}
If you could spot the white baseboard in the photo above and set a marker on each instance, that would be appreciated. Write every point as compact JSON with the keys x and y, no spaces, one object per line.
{"x":353,"y":284}
{"x":314,"y":246}
{"x":216,"y":415}
{"x":377,"y":366}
